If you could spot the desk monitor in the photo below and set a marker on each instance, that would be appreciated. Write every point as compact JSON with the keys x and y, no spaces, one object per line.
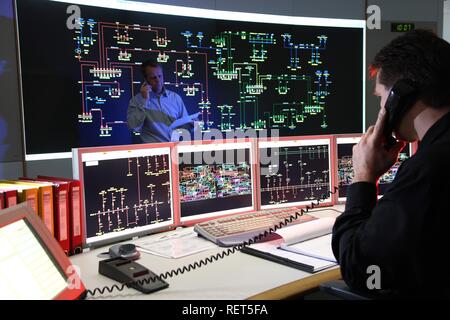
{"x":345,"y":166}
{"x":294,"y":172}
{"x":126,"y":190}
{"x":344,"y":149}
{"x":215,"y":178}
{"x":32,"y":264}
{"x":387,"y":178}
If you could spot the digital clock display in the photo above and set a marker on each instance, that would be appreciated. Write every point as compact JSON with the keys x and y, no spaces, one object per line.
{"x":402,"y":27}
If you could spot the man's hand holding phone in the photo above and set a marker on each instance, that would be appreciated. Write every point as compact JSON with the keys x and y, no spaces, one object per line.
{"x":145,"y":88}
{"x":370,"y":157}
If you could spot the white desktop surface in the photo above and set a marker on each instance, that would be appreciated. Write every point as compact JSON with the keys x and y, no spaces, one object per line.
{"x":234,"y":277}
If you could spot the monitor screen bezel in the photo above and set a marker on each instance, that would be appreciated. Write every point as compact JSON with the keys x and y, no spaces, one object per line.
{"x":350,"y":138}
{"x":188,"y":221}
{"x":345,"y":138}
{"x":295,"y":141}
{"x":78,"y":173}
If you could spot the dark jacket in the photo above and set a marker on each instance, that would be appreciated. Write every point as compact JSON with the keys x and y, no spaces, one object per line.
{"x":407,"y":232}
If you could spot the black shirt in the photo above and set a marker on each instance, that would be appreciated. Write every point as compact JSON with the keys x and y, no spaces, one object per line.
{"x":407,"y":232}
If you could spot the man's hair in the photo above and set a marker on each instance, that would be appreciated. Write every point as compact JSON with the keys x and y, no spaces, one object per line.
{"x":150,"y":63}
{"x":422,"y":57}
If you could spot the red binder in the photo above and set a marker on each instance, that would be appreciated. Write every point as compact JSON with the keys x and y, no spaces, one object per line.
{"x":23,"y":193}
{"x":45,"y":201}
{"x":76,"y":215}
{"x":61,"y":204}
{"x":10,"y":198}
{"x":2,"y":200}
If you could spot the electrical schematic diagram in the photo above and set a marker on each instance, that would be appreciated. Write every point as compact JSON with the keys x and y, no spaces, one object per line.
{"x":282,"y":100}
{"x":297,"y":79}
{"x":346,"y":173}
{"x":387,"y":178}
{"x":301,"y":174}
{"x":126,"y":193}
{"x":201,"y":58}
{"x":345,"y":167}
{"x":222,"y":186}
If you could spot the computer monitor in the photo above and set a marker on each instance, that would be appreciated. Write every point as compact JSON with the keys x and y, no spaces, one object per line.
{"x":386,"y":179}
{"x":344,"y":162}
{"x":295,"y":172}
{"x":215,"y":179}
{"x":32,"y":264}
{"x":127,"y":190}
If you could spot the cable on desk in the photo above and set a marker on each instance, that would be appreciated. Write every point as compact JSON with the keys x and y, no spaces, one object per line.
{"x":217,"y":256}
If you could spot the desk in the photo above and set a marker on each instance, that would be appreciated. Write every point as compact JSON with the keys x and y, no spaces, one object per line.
{"x":236,"y":277}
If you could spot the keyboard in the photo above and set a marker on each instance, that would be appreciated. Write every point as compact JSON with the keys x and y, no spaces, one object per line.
{"x":236,"y":229}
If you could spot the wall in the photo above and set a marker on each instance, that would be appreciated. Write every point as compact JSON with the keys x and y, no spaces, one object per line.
{"x":428,"y":14}
{"x":446,"y":24}
{"x":10,"y":133}
{"x":425,"y":14}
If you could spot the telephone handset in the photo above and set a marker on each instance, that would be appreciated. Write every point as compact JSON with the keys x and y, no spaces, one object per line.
{"x":144,"y":78}
{"x":402,"y":96}
{"x":146,"y":83}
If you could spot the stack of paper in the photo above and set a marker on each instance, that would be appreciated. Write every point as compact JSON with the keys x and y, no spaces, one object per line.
{"x":305,"y":246}
{"x":175,"y":245}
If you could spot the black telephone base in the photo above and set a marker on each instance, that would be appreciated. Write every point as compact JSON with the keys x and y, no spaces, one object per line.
{"x":127,"y":271}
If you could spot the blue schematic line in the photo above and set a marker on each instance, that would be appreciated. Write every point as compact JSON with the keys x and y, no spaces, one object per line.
{"x":304,"y":46}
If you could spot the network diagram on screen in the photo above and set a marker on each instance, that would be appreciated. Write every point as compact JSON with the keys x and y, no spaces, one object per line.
{"x":238,"y":75}
{"x":210,"y":181}
{"x":221,"y":60}
{"x":126,"y":193}
{"x":225,"y":184}
{"x":302,"y":174}
{"x":346,"y":174}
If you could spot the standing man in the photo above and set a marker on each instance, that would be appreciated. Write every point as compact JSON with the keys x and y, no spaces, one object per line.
{"x":401,"y":238}
{"x":152,"y":111}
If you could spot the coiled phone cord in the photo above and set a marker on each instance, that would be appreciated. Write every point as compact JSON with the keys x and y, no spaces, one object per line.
{"x":217,"y":256}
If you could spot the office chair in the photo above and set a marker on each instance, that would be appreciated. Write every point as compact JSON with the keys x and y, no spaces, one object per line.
{"x":339,"y":289}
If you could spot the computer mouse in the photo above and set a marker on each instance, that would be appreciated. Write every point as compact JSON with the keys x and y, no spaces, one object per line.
{"x":126,"y":251}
